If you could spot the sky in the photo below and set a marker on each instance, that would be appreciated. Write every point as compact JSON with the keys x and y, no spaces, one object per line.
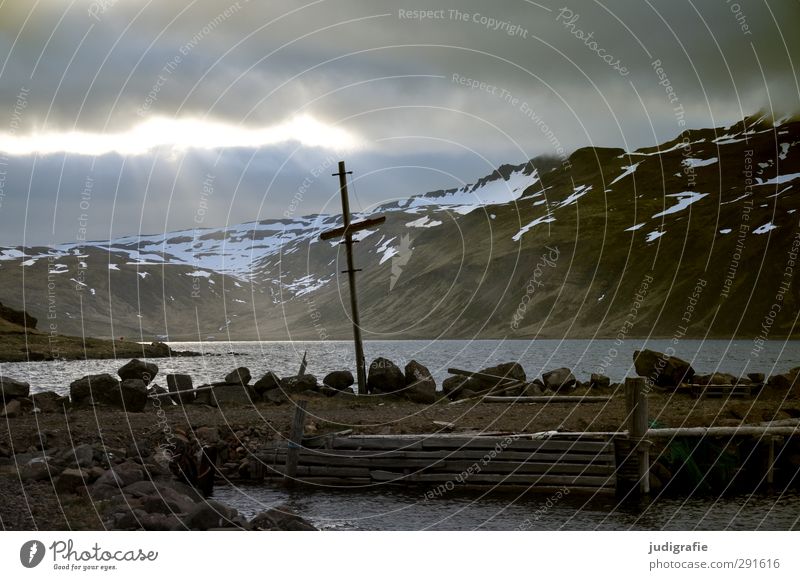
{"x":120,"y":117}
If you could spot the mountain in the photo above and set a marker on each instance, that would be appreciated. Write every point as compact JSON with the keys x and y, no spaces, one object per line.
{"x":697,"y":237}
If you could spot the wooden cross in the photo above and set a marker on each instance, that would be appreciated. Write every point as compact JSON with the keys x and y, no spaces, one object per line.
{"x":346,"y":232}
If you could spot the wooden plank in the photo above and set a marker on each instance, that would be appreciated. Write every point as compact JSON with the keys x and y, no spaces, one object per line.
{"x":455,"y":465}
{"x":744,"y":430}
{"x":560,"y":468}
{"x":341,"y":232}
{"x":321,"y":457}
{"x":546,"y":400}
{"x":568,"y":480}
{"x":338,"y":482}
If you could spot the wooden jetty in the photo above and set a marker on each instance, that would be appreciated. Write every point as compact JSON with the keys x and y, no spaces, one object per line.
{"x":480,"y":461}
{"x":590,"y":462}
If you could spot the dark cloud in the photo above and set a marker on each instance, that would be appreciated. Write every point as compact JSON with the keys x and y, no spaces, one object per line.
{"x":380,"y":73}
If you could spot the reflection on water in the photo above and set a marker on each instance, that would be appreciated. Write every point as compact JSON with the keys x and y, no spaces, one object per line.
{"x":388,"y":509}
{"x":582,"y":356}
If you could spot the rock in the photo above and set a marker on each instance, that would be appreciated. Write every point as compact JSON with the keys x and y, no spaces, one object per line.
{"x":715,"y":379}
{"x":211,"y":514}
{"x":598,"y":381}
{"x":181,"y":385}
{"x":137,"y":369}
{"x":420,"y":386}
{"x":298,"y":384}
{"x":559,"y":379}
{"x":339,"y":380}
{"x":82,"y":455}
{"x":132,"y":396}
{"x":13,"y":389}
{"x":49,"y":402}
{"x":757,"y":378}
{"x":785,"y":383}
{"x":34,"y":471}
{"x":231,"y":395}
{"x":71,"y":479}
{"x":266,"y":383}
{"x":662,"y":370}
{"x":508,"y":370}
{"x":19,"y":317}
{"x":207,"y":435}
{"x":116,"y":478}
{"x":94,"y":388}
{"x":240,"y":376}
{"x":456,"y":387}
{"x":11,"y":409}
{"x":280,"y":519}
{"x":157,"y":522}
{"x":276,"y":396}
{"x":532,"y":390}
{"x":385,"y":377}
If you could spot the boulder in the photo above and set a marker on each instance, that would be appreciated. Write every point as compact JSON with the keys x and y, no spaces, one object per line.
{"x":266,"y":383}
{"x":559,"y":379}
{"x":662,"y":370}
{"x":757,"y":378}
{"x":715,"y":379}
{"x":211,"y":514}
{"x":49,"y":402}
{"x":11,"y":409}
{"x":385,"y":377}
{"x":226,"y":395}
{"x":508,"y":370}
{"x":240,"y":376}
{"x":281,"y":519}
{"x":93,"y":389}
{"x":420,"y":386}
{"x":181,"y":386}
{"x":459,"y":387}
{"x":132,"y":396}
{"x":13,"y":389}
{"x":298,"y":384}
{"x":533,"y":389}
{"x":598,"y":381}
{"x":275,"y":396}
{"x":785,"y":383}
{"x":137,"y":369}
{"x":82,"y":455}
{"x":339,"y":380}
{"x":71,"y":479}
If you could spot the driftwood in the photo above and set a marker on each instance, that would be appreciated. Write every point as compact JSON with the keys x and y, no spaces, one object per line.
{"x":546,"y":399}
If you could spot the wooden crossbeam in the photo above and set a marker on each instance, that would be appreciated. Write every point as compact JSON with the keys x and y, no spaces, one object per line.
{"x":343,"y":231}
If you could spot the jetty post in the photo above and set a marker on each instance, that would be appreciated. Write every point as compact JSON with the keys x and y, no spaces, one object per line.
{"x":294,"y":443}
{"x":636,"y":400}
{"x":346,"y":232}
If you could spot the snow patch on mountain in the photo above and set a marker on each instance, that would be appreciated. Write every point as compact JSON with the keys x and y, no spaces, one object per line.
{"x":685,"y":199}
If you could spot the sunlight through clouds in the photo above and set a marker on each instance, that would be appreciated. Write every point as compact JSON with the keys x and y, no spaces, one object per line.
{"x":182,"y":134}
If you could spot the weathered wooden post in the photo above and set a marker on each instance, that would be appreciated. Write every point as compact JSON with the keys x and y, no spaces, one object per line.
{"x":636,"y":404}
{"x":347,"y":231}
{"x":295,"y":443}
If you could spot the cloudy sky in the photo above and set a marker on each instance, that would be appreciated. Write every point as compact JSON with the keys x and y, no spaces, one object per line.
{"x":127,"y":116}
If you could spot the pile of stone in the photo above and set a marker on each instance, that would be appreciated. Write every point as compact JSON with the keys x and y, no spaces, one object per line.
{"x":416,"y":384}
{"x":137,"y":490}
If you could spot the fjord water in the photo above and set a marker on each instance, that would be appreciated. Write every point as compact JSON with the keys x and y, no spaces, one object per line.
{"x":536,"y":356}
{"x":387,"y":508}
